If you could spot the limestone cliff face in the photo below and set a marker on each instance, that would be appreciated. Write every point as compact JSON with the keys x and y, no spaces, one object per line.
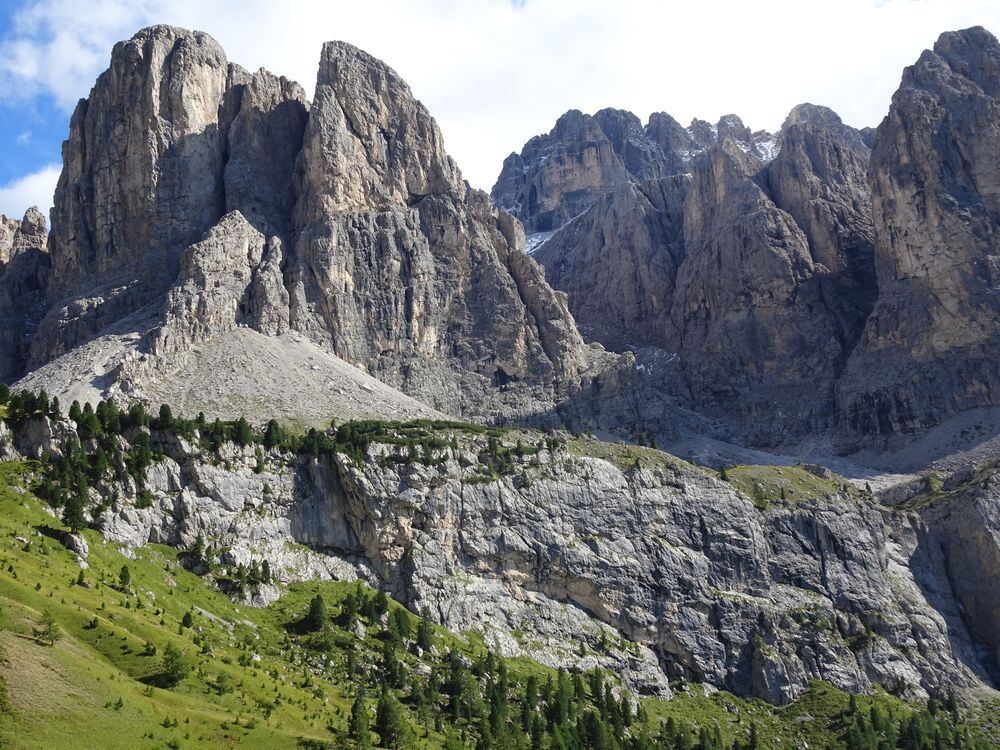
{"x":572,"y":550}
{"x":803,"y":285}
{"x":24,"y":272}
{"x":397,"y":260}
{"x":756,"y":266}
{"x":141,"y":180}
{"x":618,"y":262}
{"x":819,"y":178}
{"x":560,"y":175}
{"x":751,"y":325}
{"x":197,"y":197}
{"x":932,"y":343}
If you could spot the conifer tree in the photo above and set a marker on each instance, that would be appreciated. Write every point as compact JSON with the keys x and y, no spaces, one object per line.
{"x":358,"y":726}
{"x":72,"y":514}
{"x":49,"y":631}
{"x":174,"y":667}
{"x":316,"y":619}
{"x":390,"y":724}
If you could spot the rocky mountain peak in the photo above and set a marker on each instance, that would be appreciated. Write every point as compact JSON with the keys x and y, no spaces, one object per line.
{"x":732,"y":127}
{"x":968,"y":60}
{"x":931,"y":344}
{"x":17,"y":236}
{"x":369,"y":141}
{"x":825,"y":119}
{"x":197,"y":198}
{"x":813,"y":114}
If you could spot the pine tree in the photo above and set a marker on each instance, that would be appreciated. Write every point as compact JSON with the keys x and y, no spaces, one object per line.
{"x":124,"y":577}
{"x":244,"y":433}
{"x":381,"y":604}
{"x":272,"y":434}
{"x":392,"y":668}
{"x":174,"y":667}
{"x":72,"y":514}
{"x":424,"y":631}
{"x":358,"y":726}
{"x":389,"y":722}
{"x":316,"y":619}
{"x":49,"y":631}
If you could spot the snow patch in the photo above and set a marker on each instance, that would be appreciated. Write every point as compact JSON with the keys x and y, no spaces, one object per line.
{"x":768,"y":148}
{"x":534,"y":241}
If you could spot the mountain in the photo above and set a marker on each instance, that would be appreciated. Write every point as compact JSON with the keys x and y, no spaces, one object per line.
{"x":198,"y":201}
{"x":263,"y":317}
{"x":577,"y":553}
{"x":24,"y":271}
{"x":273,"y":677}
{"x":759,"y":274}
{"x":931,"y":344}
{"x":560,"y":175}
{"x":821,"y":281}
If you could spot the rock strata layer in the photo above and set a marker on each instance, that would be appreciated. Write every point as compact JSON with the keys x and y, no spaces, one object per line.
{"x":568,"y":553}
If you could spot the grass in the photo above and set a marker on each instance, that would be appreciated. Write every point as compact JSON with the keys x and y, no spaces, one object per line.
{"x":778,"y":484}
{"x":625,"y":455}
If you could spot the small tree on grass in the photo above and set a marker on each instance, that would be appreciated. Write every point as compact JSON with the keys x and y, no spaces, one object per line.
{"x":73,"y":511}
{"x":175,"y":668}
{"x":124,"y":577}
{"x":389,"y":722}
{"x":48,"y":631}
{"x":316,"y":619}
{"x":358,"y":727}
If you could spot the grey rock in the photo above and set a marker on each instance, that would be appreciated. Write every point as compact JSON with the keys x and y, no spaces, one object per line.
{"x":141,"y":180}
{"x":24,"y":271}
{"x":931,"y":345}
{"x":197,"y":199}
{"x":618,"y":263}
{"x":707,"y":586}
{"x":757,"y":270}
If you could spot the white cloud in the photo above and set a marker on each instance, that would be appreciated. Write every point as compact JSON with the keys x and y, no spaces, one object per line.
{"x":34,"y":189}
{"x":496,"y":72}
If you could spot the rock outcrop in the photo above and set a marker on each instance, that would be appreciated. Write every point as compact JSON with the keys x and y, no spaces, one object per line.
{"x":618,"y":262}
{"x":754,"y":334}
{"x":401,"y":268}
{"x":24,"y":270}
{"x":197,"y":198}
{"x":931,"y":345}
{"x":566,"y":554}
{"x":880,"y":314}
{"x":560,"y":175}
{"x":755,"y":265}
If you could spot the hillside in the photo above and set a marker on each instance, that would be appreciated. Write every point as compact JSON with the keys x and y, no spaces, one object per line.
{"x":259,"y":678}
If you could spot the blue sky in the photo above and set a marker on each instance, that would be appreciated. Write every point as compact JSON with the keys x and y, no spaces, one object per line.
{"x":493,"y":72}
